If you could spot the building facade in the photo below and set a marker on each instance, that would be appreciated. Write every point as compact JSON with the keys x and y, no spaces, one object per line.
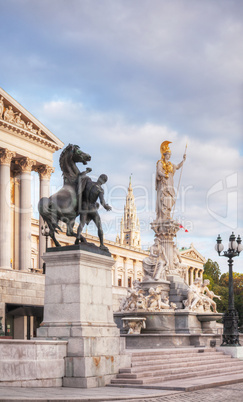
{"x":26,"y":145}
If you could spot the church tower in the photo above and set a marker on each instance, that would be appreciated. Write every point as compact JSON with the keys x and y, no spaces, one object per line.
{"x":130,"y":226}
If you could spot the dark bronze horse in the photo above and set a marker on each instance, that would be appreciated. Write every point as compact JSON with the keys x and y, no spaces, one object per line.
{"x":65,"y":205}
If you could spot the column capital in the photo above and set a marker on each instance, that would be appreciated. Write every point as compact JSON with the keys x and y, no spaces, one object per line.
{"x":44,"y":171}
{"x":6,"y":156}
{"x":25,"y":164}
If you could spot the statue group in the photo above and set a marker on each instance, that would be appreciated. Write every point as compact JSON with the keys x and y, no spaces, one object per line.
{"x":199,"y":299}
{"x":164,"y":259}
{"x":78,"y":197}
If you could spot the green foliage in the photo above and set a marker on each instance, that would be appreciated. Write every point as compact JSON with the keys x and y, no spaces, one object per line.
{"x":219,"y":284}
{"x":211,"y":269}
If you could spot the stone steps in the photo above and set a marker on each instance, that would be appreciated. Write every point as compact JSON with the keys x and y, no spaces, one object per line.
{"x":178,"y":363}
{"x":181,"y":371}
{"x":178,"y":360}
{"x":168,"y":365}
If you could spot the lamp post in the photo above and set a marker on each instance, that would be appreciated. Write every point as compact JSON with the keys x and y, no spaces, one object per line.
{"x":45,"y":231}
{"x":231,"y":318}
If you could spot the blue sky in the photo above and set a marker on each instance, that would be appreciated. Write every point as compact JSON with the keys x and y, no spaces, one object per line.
{"x":118,"y":78}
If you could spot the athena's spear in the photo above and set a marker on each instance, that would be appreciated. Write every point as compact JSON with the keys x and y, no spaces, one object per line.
{"x":177,"y":192}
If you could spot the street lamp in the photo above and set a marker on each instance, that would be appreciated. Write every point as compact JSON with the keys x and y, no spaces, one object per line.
{"x":45,"y":231}
{"x":231,"y":318}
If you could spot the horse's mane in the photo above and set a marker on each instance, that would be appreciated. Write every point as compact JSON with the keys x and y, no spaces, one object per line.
{"x":67,"y":165}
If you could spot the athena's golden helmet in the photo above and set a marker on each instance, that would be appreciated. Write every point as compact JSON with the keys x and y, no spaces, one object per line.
{"x":164,"y":147}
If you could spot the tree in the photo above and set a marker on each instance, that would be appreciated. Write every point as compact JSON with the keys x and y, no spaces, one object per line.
{"x":238,"y":291}
{"x":212,"y":272}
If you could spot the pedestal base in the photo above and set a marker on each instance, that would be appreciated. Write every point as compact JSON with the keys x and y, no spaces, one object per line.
{"x":78,"y":308}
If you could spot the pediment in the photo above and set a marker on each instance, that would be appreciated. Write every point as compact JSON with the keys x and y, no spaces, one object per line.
{"x":193,"y":254}
{"x":16,"y":119}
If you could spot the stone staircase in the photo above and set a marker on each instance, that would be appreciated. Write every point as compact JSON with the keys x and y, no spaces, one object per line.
{"x":159,"y":366}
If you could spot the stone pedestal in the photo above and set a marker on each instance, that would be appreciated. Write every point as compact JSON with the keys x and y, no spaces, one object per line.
{"x":178,"y":290}
{"x":233,"y":351}
{"x":166,"y":230}
{"x":78,"y":308}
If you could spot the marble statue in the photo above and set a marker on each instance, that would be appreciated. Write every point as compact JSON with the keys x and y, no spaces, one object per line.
{"x":179,"y":267}
{"x":200,"y":298}
{"x":165,"y":171}
{"x":129,"y":302}
{"x":193,"y":296}
{"x":9,"y":115}
{"x":155,"y":302}
{"x":1,"y":107}
{"x":155,"y":266}
{"x":77,"y":197}
{"x":29,"y":127}
{"x":137,"y":301}
{"x":135,"y":324}
{"x":208,"y":297}
{"x":19,"y":122}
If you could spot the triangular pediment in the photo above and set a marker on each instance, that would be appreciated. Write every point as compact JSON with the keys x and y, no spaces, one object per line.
{"x":15,"y":118}
{"x":192,"y":254}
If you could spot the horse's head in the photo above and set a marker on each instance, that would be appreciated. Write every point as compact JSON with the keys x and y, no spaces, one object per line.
{"x":80,"y":156}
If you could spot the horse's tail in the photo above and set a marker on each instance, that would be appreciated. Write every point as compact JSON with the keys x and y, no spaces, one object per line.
{"x":47,"y":210}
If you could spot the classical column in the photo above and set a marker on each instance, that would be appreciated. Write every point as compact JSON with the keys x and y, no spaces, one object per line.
{"x":45,"y":175}
{"x":115,"y":270}
{"x":187,"y":276}
{"x":126,"y":265}
{"x":191,"y":276}
{"x":196,"y":273}
{"x":25,"y":165}
{"x":5,"y":205}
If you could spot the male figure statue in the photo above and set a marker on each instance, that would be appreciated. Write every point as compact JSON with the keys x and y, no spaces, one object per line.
{"x":89,"y":208}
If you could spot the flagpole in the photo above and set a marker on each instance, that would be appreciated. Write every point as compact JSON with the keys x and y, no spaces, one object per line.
{"x":177,"y":191}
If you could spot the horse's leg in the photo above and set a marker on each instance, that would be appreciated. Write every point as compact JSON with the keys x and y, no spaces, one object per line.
{"x":70,"y":226}
{"x":52,"y":236}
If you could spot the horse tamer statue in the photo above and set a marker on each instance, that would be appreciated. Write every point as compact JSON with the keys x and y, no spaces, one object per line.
{"x":77,"y":197}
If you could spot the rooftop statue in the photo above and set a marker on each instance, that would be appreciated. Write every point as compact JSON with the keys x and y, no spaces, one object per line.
{"x":77,"y":197}
{"x":165,"y":171}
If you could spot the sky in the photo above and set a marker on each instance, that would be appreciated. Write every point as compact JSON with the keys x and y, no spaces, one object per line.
{"x":119,"y":77}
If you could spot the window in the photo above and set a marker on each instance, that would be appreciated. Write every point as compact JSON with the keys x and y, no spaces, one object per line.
{"x":119,"y":282}
{"x":129,"y":282}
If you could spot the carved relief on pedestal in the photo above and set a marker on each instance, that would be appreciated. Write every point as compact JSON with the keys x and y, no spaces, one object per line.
{"x":25,"y":164}
{"x":44,"y":171}
{"x":6,"y":156}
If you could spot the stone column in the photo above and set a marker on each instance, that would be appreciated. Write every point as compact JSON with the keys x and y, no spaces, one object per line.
{"x":196,"y":273}
{"x":25,"y":165}
{"x":191,"y":276}
{"x":45,"y":175}
{"x":187,"y":276}
{"x":115,"y":270}
{"x":5,"y":205}
{"x":126,"y":266}
{"x":135,"y":270}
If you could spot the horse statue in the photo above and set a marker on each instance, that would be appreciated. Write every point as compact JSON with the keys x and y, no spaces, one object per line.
{"x":66,"y":204}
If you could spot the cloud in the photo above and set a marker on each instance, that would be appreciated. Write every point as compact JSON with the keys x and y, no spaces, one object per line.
{"x":119,"y":77}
